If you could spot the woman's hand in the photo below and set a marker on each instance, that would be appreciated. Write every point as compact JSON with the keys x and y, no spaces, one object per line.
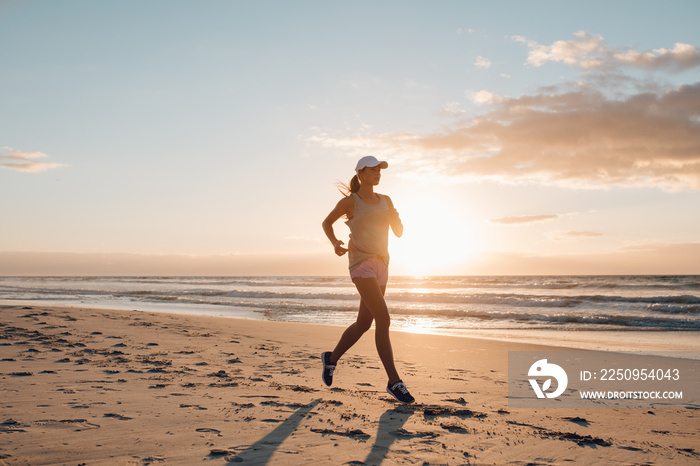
{"x":339,"y":249}
{"x":344,"y":207}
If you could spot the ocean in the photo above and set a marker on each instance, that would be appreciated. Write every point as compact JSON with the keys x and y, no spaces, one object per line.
{"x":428,"y":304}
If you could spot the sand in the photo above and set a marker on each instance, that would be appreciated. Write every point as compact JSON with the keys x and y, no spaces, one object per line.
{"x":89,"y":386}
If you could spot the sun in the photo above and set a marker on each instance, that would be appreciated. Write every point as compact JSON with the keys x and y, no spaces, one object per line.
{"x":438,"y":238}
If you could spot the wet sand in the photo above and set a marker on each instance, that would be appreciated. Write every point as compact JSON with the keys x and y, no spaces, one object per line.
{"x":94,"y":386}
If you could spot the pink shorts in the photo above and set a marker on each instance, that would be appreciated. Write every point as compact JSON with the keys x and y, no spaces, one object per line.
{"x":373,"y":267}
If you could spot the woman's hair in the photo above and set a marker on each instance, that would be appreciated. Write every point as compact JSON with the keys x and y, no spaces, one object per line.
{"x":348,"y":189}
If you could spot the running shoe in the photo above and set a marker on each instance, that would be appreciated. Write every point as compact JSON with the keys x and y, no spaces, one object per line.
{"x":328,"y":368}
{"x":400,"y":392}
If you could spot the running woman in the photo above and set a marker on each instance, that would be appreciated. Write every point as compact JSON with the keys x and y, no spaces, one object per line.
{"x":370,"y":215}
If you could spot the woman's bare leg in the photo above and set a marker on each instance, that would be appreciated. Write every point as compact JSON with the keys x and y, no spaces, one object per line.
{"x":353,"y":333}
{"x":372,"y":296}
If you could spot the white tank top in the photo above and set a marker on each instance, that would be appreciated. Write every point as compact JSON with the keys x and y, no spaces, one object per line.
{"x":369,"y":231}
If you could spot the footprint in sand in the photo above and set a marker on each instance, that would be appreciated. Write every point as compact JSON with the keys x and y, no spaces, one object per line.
{"x":10,"y":426}
{"x":403,"y":433}
{"x":455,"y":428}
{"x":355,"y":434}
{"x":459,"y":401}
{"x":578,"y":420}
{"x":197,"y":407}
{"x":118,"y":416}
{"x":153,"y":459}
{"x":158,"y":386}
{"x":441,"y":411}
{"x":79,"y":424}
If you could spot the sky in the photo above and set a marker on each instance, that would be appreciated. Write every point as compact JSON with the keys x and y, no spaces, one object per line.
{"x":207,"y":137}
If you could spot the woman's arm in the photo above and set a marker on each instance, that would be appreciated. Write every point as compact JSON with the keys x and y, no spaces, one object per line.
{"x":394,"y":220}
{"x":342,"y":208}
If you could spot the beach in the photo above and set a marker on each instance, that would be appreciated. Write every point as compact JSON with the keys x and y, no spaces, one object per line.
{"x":96,"y":386}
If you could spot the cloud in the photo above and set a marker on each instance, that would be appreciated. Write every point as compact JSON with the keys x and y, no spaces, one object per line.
{"x":657,"y":259}
{"x":567,"y":235}
{"x":586,"y":51}
{"x":347,"y":143}
{"x":581,"y":138}
{"x":576,"y":139}
{"x":25,"y":161}
{"x":482,"y":62}
{"x":485,"y":97}
{"x":589,"y":51}
{"x":519,"y":220}
{"x":606,"y":129}
{"x":681,"y":57}
{"x":452,"y":109}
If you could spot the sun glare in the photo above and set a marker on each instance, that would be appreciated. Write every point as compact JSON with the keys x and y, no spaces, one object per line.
{"x":438,"y":237}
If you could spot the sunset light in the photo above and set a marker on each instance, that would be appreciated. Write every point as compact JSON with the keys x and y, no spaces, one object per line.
{"x":438,"y":236}
{"x":324,"y":232}
{"x":208,"y":139}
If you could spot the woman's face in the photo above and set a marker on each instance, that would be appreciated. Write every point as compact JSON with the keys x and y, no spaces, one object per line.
{"x":371,"y":175}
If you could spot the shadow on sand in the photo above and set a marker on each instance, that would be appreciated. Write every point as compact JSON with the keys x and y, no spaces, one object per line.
{"x":261,"y":451}
{"x":390,"y":423}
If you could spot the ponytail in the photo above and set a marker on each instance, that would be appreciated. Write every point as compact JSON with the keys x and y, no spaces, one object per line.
{"x":346,"y":189}
{"x":354,"y":184}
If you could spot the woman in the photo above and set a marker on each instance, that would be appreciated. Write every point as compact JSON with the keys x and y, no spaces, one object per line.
{"x":370,"y":215}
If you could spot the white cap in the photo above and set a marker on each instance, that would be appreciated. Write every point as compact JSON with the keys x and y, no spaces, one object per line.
{"x":369,"y":161}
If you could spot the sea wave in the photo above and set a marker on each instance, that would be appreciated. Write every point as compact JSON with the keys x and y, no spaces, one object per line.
{"x":572,"y":302}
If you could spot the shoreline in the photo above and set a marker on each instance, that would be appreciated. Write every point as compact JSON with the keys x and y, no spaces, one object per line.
{"x":684,"y":343}
{"x":95,"y":386}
